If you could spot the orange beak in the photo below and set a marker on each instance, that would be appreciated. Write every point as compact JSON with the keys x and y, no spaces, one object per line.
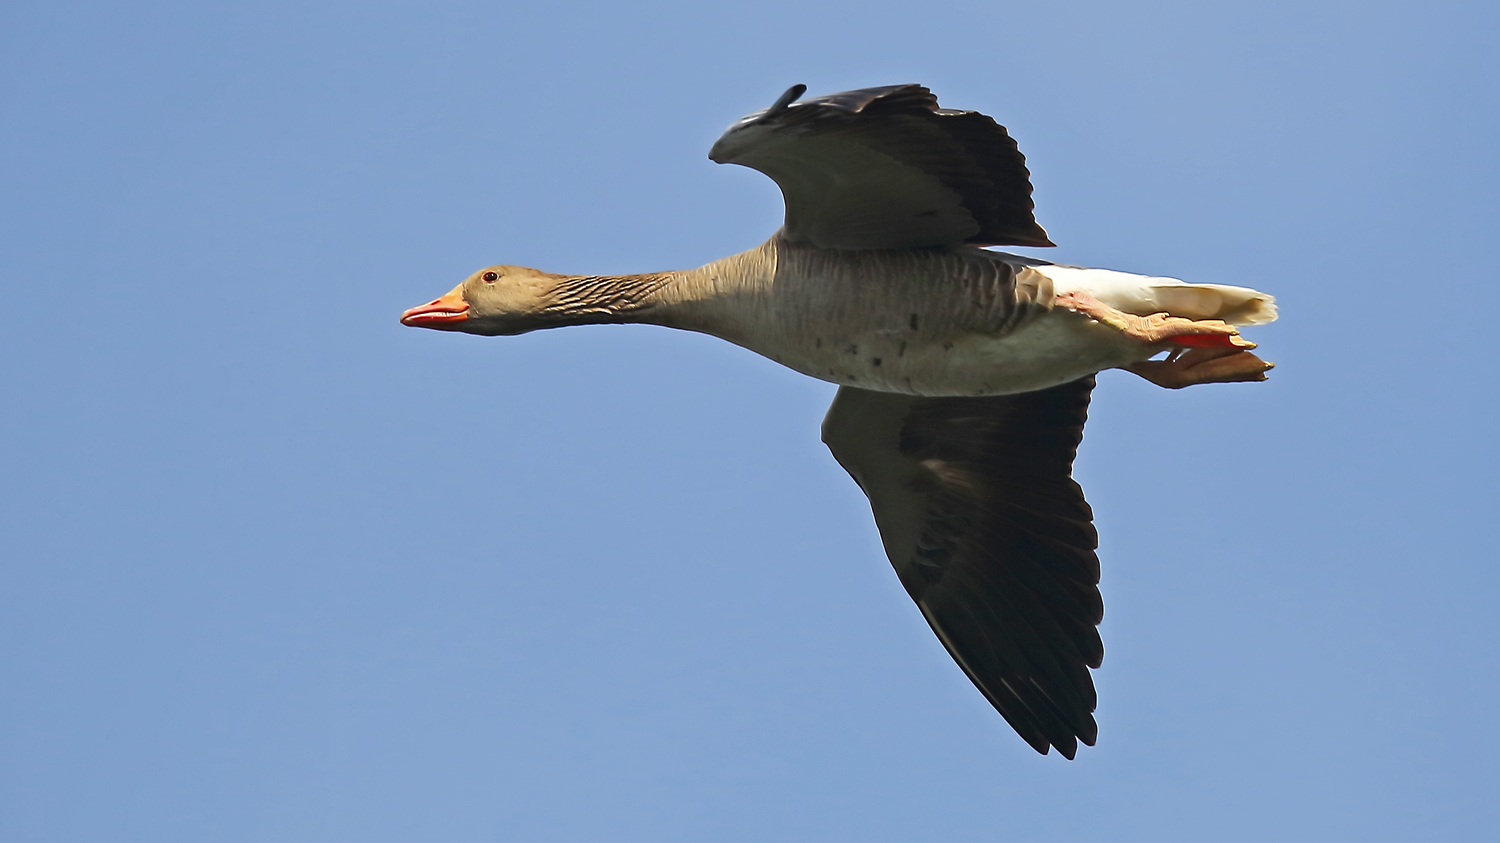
{"x":442,"y":313}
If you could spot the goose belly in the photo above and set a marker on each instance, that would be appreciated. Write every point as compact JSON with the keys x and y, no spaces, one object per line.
{"x":1057,"y":347}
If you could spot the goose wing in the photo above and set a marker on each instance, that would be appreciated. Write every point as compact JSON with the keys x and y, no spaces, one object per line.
{"x":886,"y":168}
{"x":990,"y":535}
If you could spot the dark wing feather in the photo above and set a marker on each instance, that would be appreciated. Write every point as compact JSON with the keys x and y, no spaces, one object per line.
{"x":991,"y":536}
{"x":886,"y":168}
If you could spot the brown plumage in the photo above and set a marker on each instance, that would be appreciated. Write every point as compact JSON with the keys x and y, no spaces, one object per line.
{"x":964,"y":374}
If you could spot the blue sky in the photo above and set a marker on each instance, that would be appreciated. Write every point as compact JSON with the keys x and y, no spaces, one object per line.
{"x":276,"y":568}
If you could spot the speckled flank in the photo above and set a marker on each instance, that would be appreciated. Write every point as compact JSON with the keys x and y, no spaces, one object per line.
{"x":964,"y":322}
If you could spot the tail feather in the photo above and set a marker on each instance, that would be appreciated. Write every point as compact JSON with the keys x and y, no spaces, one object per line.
{"x":1143,"y":295}
{"x":1235,"y":305}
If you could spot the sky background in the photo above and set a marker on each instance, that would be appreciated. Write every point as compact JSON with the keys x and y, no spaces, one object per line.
{"x":274,"y":568}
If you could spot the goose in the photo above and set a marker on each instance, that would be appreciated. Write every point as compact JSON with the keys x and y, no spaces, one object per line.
{"x":964,"y":373}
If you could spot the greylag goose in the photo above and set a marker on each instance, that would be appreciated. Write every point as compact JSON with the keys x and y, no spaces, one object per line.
{"x":964,"y":373}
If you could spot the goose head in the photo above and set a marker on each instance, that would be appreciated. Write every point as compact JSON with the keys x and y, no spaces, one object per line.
{"x":495,"y":301}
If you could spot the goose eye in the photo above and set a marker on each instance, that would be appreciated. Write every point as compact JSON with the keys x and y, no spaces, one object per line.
{"x":489,"y":277}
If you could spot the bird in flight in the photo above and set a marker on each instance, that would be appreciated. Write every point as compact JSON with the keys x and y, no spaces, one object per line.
{"x":964,"y":373}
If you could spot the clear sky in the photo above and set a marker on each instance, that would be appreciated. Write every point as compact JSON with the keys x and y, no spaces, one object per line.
{"x":278,"y":569}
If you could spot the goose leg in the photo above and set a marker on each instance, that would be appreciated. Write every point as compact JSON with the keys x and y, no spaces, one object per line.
{"x":1202,"y":350}
{"x":1158,"y":328}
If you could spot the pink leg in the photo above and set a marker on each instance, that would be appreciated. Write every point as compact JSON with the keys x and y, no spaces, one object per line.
{"x":1158,"y":328}
{"x":1203,"y":351}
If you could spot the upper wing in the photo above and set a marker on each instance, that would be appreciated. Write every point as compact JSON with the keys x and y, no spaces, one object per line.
{"x":886,"y":168}
{"x":979,"y":514}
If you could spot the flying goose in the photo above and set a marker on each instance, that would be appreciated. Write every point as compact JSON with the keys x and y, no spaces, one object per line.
{"x":964,"y":374}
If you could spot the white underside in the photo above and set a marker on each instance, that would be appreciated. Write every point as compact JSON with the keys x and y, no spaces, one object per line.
{"x":1143,"y":295}
{"x":1057,"y":347}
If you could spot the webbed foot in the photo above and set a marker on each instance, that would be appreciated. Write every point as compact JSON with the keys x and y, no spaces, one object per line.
{"x":1202,"y":365}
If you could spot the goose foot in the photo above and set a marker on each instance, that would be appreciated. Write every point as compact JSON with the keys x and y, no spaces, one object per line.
{"x":1158,"y":328}
{"x":1185,"y":367}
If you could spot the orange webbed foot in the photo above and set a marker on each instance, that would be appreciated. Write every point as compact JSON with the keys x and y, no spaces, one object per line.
{"x":1202,"y":365}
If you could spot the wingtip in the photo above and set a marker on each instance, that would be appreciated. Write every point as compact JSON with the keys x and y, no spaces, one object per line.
{"x":1042,"y":239}
{"x":791,"y":95}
